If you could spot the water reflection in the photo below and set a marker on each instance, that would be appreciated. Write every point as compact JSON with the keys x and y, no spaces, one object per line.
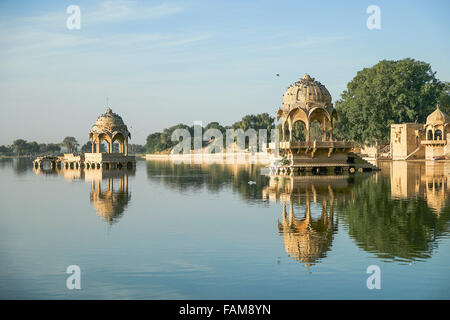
{"x":397,"y":214}
{"x":428,"y":180}
{"x":307,"y":239}
{"x":401,"y":212}
{"x":109,"y":201}
{"x":109,"y":194}
{"x":245,"y":179}
{"x":19,"y":165}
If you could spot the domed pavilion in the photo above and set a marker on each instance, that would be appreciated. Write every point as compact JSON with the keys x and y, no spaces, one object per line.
{"x":308,"y":101}
{"x":436,"y":129}
{"x":109,"y":128}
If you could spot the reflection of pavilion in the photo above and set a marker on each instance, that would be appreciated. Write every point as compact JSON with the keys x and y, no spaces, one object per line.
{"x":109,"y":192}
{"x":308,"y":239}
{"x":428,"y":180}
{"x":109,"y":188}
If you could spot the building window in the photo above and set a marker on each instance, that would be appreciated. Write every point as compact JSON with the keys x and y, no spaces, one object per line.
{"x":438,"y":135}
{"x":430,"y":135}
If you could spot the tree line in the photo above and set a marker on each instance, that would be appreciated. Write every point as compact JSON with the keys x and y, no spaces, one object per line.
{"x":21,"y":147}
{"x":162,"y":141}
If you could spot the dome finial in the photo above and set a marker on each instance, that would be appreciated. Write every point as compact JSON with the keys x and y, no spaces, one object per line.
{"x":108,"y":110}
{"x":306,"y":77}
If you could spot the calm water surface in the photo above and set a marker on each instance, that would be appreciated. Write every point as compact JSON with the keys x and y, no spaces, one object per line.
{"x":180,"y":231}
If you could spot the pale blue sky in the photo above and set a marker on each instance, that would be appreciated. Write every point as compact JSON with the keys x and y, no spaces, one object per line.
{"x":165,"y":62}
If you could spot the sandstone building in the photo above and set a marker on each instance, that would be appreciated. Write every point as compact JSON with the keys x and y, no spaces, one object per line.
{"x":430,"y":141}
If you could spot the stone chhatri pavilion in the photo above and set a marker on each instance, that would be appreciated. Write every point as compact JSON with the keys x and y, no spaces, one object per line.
{"x":307,"y":101}
{"x":109,"y":128}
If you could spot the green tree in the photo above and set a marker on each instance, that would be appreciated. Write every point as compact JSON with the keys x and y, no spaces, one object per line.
{"x":53,"y":148}
{"x":6,"y":150}
{"x":20,"y":146}
{"x":33,"y":147}
{"x":444,"y":98}
{"x":256,"y":122}
{"x":70,"y":143}
{"x":389,"y":92}
{"x":87,"y":147}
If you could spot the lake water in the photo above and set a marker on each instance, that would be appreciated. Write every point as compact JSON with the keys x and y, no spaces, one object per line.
{"x":180,"y":231}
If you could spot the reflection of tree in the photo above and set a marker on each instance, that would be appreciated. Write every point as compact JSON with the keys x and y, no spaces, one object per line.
{"x":22,"y":165}
{"x":213,"y":177}
{"x":393,"y":229}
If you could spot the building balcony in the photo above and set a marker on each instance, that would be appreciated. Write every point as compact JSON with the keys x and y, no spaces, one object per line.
{"x":434,"y":142}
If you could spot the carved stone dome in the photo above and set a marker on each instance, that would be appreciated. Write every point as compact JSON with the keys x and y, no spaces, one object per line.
{"x":110,"y":123}
{"x":306,"y":93}
{"x":438,"y":117}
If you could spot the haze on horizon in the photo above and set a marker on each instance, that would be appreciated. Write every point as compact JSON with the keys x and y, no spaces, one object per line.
{"x":164,"y":62}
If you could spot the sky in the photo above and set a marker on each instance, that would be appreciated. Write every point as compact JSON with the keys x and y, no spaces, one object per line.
{"x":160,"y":63}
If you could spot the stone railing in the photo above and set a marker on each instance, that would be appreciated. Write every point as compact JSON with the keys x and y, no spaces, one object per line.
{"x":434,"y":142}
{"x":312,"y":144}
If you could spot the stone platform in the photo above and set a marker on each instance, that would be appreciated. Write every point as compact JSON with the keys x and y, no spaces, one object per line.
{"x":88,"y":161}
{"x":316,"y":157}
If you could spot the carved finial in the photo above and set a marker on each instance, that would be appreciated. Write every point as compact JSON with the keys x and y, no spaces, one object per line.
{"x":108,"y":110}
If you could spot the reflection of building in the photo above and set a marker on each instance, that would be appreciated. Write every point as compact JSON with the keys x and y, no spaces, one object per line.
{"x":437,"y":183}
{"x":307,"y":239}
{"x":305,"y":102}
{"x":428,"y":180}
{"x":109,"y":188}
{"x":109,"y":192}
{"x":406,"y":179}
{"x":418,"y":141}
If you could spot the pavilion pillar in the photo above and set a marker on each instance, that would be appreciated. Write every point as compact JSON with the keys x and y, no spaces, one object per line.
{"x":324,"y":130}
{"x":307,"y":131}
{"x":92,"y":146}
{"x":126,"y":147}
{"x":290,"y":128}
